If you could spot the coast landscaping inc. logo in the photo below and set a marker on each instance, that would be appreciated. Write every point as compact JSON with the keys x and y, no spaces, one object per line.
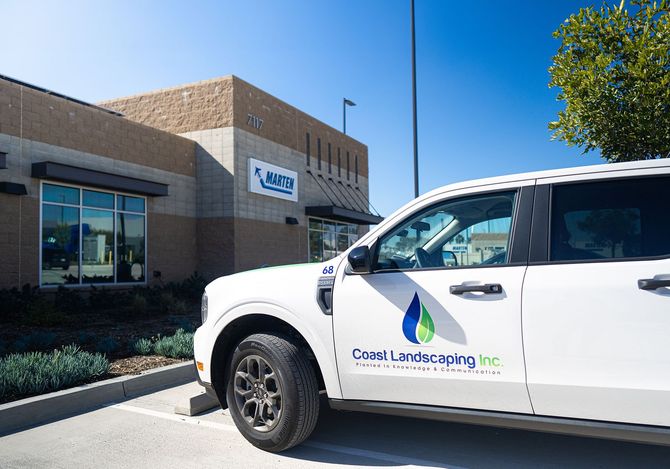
{"x":417,"y":325}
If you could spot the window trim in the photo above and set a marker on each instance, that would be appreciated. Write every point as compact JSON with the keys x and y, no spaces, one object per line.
{"x":515,"y":242}
{"x":80,"y":207}
{"x":541,"y":231}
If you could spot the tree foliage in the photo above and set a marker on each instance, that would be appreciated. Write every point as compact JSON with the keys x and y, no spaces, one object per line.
{"x":613,"y":71}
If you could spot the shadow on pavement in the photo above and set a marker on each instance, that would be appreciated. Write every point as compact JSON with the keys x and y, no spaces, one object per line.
{"x":378,"y":440}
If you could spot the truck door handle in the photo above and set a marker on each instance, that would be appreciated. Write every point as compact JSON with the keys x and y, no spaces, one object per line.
{"x":487,"y":289}
{"x":652,"y":284}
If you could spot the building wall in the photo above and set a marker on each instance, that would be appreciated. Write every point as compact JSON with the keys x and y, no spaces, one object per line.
{"x":36,"y":116}
{"x":197,"y":106}
{"x":228,"y":102}
{"x":41,"y":127}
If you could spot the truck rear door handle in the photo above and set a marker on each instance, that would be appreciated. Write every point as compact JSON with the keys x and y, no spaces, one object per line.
{"x":652,"y":284}
{"x":487,"y":289}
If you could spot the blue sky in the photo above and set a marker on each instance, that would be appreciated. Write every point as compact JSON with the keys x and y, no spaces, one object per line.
{"x":482,"y":74}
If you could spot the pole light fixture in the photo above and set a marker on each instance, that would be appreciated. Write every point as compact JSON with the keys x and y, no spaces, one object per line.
{"x":345,"y":102}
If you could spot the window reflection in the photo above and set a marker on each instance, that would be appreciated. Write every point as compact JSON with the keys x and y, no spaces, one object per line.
{"x":328,"y":239}
{"x":98,"y":243}
{"x":130,"y":247}
{"x":60,"y":245}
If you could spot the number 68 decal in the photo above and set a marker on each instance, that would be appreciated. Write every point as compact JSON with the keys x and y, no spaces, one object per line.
{"x":327,"y":270}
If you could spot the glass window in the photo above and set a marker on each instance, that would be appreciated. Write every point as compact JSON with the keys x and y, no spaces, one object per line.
{"x":87,"y":240}
{"x":318,"y":152}
{"x":315,"y":246}
{"x":98,"y":199}
{"x":60,"y":245}
{"x":130,"y":244}
{"x":97,"y":230}
{"x":610,"y":220}
{"x":308,"y":149}
{"x":60,"y":194}
{"x":129,"y":204}
{"x":328,"y":239}
{"x":462,"y":232}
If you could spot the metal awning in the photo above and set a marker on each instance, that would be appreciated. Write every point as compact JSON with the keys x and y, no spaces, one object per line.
{"x":343,"y":214}
{"x":347,"y":203}
{"x":89,"y":177}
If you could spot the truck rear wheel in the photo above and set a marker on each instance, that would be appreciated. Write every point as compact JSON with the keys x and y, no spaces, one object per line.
{"x":272,"y":392}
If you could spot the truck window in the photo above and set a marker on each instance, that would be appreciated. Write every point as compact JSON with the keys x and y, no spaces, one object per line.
{"x":610,"y":220}
{"x":458,"y":232}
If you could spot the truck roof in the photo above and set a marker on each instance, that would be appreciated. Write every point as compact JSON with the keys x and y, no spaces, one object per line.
{"x":551,"y":173}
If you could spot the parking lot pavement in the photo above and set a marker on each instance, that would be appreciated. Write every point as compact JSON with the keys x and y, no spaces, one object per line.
{"x":144,"y":432}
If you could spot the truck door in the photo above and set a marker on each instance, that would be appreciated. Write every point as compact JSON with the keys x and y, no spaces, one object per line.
{"x":438,"y":321}
{"x":596,"y":305}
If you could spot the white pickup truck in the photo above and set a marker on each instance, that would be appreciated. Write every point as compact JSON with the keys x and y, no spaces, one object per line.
{"x":537,"y":301}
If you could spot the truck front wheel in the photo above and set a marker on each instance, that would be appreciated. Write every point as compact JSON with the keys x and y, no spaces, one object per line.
{"x":272,"y":392}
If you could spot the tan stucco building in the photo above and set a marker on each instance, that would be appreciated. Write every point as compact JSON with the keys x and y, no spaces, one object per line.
{"x":216,"y":176}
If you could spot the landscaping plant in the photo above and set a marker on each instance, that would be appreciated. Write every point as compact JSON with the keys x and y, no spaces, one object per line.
{"x":179,"y":345}
{"x":38,"y":372}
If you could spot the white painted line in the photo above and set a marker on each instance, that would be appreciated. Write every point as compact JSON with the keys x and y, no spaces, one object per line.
{"x":174,"y":418}
{"x":363,"y":453}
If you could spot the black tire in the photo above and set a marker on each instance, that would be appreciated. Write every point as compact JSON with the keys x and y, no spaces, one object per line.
{"x":298,"y":391}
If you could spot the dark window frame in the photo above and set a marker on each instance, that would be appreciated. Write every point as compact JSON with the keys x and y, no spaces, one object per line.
{"x":308,"y":152}
{"x":318,"y":153}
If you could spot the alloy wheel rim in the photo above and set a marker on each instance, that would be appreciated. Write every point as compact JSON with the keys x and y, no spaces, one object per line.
{"x":258,"y":393}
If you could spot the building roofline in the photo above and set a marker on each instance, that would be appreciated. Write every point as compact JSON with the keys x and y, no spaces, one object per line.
{"x":168,"y":88}
{"x":233,"y":78}
{"x":58,"y":95}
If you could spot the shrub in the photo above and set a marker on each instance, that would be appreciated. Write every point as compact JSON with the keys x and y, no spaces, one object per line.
{"x":143,"y":347}
{"x":37,"y":372}
{"x":193,"y":287}
{"x":101,"y":299}
{"x":179,"y":345}
{"x":11,"y":305}
{"x":86,"y":338}
{"x":166,"y":302}
{"x":42,"y":312}
{"x":39,"y":340}
{"x":138,"y":305}
{"x":107,"y":345}
{"x":69,"y":301}
{"x":182,"y":323}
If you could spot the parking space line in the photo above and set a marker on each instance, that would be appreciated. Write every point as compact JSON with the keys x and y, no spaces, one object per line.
{"x":351,"y":451}
{"x":174,"y":417}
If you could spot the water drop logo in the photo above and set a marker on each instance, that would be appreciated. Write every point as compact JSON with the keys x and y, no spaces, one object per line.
{"x":417,"y":325}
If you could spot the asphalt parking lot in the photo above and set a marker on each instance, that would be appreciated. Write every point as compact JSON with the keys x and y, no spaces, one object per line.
{"x":145,"y":432}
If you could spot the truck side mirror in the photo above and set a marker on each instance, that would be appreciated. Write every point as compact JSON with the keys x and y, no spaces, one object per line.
{"x":359,"y":260}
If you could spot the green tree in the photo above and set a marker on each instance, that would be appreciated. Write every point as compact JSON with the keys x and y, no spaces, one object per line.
{"x":613,"y":71}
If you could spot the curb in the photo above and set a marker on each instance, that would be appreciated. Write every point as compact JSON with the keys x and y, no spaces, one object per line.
{"x":68,"y":402}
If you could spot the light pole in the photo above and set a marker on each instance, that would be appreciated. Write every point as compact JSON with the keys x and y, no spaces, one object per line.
{"x":345,"y":102}
{"x":416,"y":146}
